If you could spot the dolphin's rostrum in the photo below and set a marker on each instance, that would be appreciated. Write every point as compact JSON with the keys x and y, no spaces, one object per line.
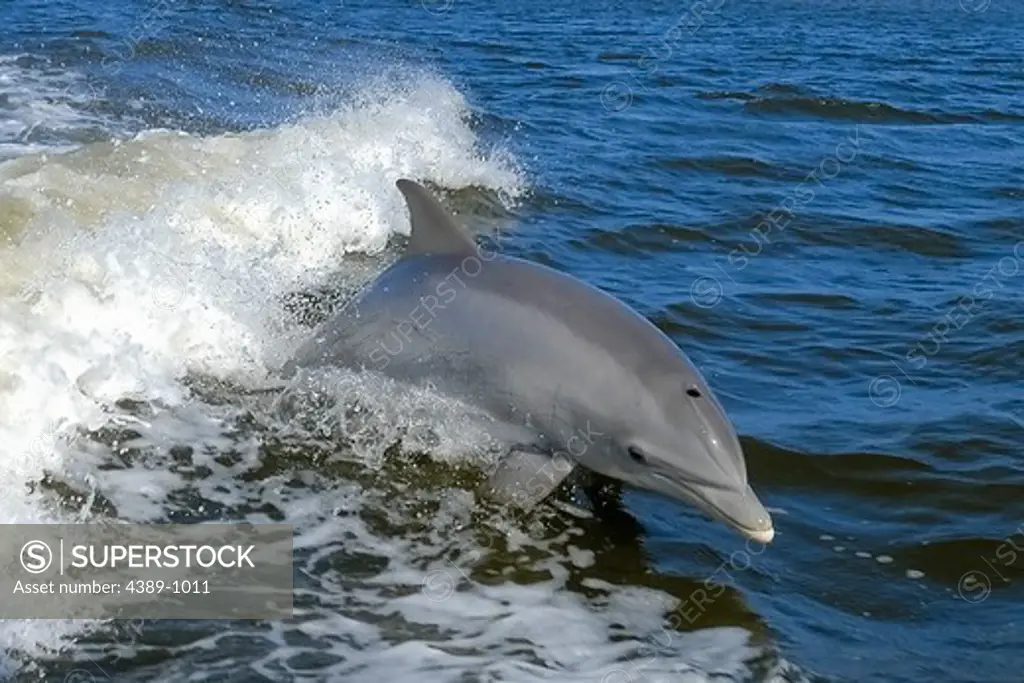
{"x":581,"y":378}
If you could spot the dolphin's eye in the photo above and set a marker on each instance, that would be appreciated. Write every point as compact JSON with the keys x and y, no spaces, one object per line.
{"x":693,"y":393}
{"x":637,"y":455}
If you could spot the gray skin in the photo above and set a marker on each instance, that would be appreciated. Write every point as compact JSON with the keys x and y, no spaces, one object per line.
{"x":581,"y":378}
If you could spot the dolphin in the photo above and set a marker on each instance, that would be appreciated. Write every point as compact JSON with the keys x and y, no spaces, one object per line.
{"x":583,"y":380}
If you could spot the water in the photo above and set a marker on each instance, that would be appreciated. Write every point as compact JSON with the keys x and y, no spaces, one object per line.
{"x":820,"y":201}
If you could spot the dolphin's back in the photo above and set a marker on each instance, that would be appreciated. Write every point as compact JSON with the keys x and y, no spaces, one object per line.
{"x":531,"y":344}
{"x":504,"y":333}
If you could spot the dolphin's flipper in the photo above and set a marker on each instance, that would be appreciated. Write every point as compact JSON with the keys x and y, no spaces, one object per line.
{"x":525,"y":478}
{"x":434,"y":231}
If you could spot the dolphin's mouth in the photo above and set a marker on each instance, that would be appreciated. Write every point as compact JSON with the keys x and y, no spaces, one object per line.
{"x":740,"y":510}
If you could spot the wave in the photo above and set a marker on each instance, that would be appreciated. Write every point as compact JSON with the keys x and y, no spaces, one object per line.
{"x":794,"y":102}
{"x":735,"y":166}
{"x":128,"y":264}
{"x":44,"y":107}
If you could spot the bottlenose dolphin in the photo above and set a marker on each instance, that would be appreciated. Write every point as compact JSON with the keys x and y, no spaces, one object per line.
{"x":582,"y":378}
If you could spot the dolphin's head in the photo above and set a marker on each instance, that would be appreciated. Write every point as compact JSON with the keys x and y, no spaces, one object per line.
{"x":687,"y":449}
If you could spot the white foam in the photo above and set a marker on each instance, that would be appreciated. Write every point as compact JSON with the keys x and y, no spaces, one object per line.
{"x":131,"y":264}
{"x":41,"y":98}
{"x":421,"y":616}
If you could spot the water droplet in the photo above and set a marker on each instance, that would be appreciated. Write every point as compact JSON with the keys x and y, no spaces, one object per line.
{"x":861,"y":553}
{"x":884,"y":559}
{"x":914,"y":574}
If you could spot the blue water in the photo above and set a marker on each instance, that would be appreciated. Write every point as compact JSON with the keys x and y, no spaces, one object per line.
{"x":821,"y":202}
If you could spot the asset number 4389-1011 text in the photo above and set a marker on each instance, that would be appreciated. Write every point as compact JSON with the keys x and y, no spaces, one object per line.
{"x":178,"y":587}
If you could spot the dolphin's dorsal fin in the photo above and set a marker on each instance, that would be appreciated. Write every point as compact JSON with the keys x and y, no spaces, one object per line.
{"x":434,"y":231}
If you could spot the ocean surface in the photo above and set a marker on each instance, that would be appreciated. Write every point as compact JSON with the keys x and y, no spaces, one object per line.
{"x":820,"y":201}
